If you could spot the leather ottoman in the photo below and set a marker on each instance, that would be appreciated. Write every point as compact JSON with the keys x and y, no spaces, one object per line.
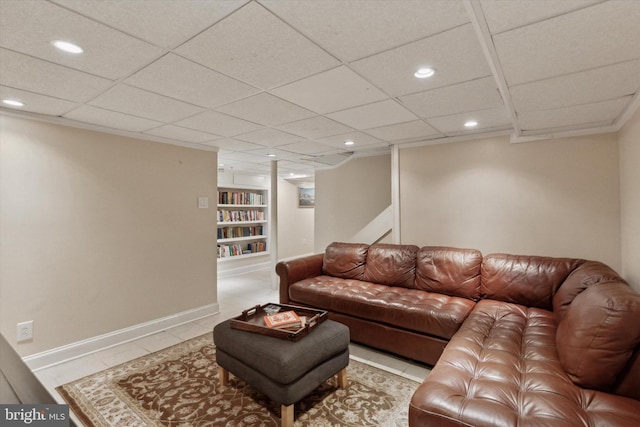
{"x":285,"y":371}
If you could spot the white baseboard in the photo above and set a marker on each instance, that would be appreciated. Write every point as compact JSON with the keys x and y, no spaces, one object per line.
{"x":77,"y":349}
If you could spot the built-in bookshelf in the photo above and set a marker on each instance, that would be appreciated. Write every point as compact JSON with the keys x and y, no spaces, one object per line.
{"x":243,"y":222}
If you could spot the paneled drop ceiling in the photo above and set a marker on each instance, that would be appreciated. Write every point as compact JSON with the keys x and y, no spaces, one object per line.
{"x":296,"y":79}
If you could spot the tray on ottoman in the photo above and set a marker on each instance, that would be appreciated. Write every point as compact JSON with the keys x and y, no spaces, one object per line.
{"x":252,"y":320}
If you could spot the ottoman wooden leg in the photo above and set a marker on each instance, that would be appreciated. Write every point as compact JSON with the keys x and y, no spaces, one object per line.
{"x":286,"y":416}
{"x":224,"y":376}
{"x":342,"y":378}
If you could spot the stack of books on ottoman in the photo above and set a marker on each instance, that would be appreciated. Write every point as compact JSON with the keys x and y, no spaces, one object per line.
{"x":285,"y":320}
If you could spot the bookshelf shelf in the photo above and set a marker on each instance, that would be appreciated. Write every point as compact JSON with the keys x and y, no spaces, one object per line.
{"x":240,"y":239}
{"x":264,"y":221}
{"x":242,"y":222}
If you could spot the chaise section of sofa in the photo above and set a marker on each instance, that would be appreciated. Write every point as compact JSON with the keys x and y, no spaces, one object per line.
{"x":563,"y":354}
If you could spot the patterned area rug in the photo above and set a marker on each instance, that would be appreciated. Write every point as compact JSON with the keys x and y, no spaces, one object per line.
{"x":178,"y":387}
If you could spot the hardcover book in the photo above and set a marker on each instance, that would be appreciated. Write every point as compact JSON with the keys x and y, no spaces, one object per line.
{"x":286,"y":319}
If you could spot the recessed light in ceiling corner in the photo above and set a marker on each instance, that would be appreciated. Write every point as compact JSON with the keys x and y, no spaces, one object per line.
{"x":271,"y":155}
{"x":425,"y":73}
{"x":349,"y":142}
{"x":470,"y":124}
{"x":67,"y":46}
{"x":13,"y":102}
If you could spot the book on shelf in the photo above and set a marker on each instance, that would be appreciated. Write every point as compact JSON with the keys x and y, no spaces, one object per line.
{"x":242,"y":215}
{"x":285,"y":319}
{"x":230,"y":250}
{"x":231,"y":232}
{"x":240,"y":198}
{"x":257,"y":246}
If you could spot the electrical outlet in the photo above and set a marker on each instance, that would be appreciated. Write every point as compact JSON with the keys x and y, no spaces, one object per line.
{"x":203,"y":202}
{"x":25,"y":331}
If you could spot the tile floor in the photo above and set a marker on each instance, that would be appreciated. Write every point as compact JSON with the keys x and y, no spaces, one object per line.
{"x":235,"y":294}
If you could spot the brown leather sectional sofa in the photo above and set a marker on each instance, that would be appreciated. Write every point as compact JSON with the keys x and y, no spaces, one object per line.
{"x":514,"y":340}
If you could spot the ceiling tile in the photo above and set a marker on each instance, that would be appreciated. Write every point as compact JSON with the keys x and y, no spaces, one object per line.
{"x":330,"y":91}
{"x":296,"y":168}
{"x":505,"y":15}
{"x":315,"y":127}
{"x":455,"y":54}
{"x":491,"y":118}
{"x":166,"y":24}
{"x":361,"y":140}
{"x":24,"y":72}
{"x":218,"y":124}
{"x":307,"y":147}
{"x":403,"y":131}
{"x":269,"y":137}
{"x":584,"y":87}
{"x":258,"y":48}
{"x":372,"y":115}
{"x":182,"y":134}
{"x":278,"y":154}
{"x":244,"y":156}
{"x":469,"y":96}
{"x":234,"y":144}
{"x":359,"y":28}
{"x":107,"y":52}
{"x":36,"y":103}
{"x":330,"y":159}
{"x":602,"y":34}
{"x":265,"y":109}
{"x":182,"y":79}
{"x":138,"y":102}
{"x":596,"y":114}
{"x":111,"y":119}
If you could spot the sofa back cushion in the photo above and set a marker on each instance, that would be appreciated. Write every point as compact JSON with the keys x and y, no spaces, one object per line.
{"x":345,"y":260}
{"x":598,"y":334}
{"x":392,"y":265}
{"x":449,"y":271}
{"x":587,"y":274}
{"x":526,"y":280}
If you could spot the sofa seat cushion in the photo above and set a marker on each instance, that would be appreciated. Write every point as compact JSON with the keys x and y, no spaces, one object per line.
{"x":412,"y":309}
{"x":502,"y":369}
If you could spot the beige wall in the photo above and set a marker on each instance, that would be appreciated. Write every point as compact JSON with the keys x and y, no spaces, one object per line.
{"x":630,"y":199}
{"x":349,"y":197}
{"x":295,"y":225}
{"x":100,"y":232}
{"x":556,"y":197}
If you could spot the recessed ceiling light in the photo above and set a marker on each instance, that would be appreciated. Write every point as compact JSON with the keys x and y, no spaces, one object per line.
{"x":13,"y":102}
{"x":271,"y":155}
{"x":424,"y":73}
{"x":471,"y":124}
{"x":67,"y":46}
{"x":349,"y":142}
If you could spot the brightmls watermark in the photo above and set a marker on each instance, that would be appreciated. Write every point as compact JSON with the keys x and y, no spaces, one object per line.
{"x":34,"y":415}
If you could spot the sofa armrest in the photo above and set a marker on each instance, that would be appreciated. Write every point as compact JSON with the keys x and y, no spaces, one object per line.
{"x":295,"y":270}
